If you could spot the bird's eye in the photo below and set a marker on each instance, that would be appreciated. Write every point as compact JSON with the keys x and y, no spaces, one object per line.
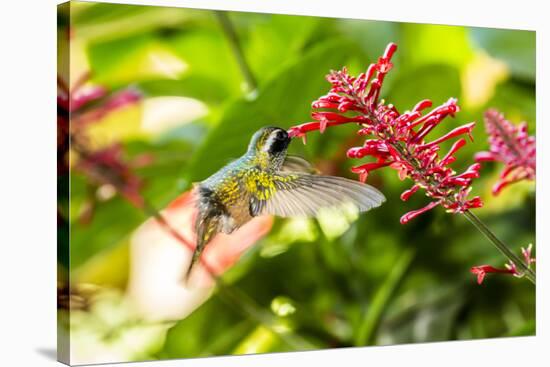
{"x":281,"y":135}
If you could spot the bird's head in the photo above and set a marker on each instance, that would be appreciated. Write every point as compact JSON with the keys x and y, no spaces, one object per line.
{"x":271,"y":140}
{"x":269,"y":146}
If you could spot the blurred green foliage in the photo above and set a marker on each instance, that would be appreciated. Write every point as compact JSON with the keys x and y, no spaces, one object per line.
{"x":377,"y":283}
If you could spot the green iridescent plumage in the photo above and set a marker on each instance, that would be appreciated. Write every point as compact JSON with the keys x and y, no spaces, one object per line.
{"x":265,"y":180}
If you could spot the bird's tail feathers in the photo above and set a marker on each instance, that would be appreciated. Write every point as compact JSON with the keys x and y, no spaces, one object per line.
{"x":206,"y":230}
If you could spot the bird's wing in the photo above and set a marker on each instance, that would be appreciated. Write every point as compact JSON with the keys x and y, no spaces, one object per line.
{"x":293,"y":163}
{"x":302,"y":194}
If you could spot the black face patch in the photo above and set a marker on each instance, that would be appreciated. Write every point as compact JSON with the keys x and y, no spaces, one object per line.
{"x":278,"y":141}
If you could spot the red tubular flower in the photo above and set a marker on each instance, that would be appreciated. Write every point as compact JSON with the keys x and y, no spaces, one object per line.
{"x":510,"y":268}
{"x":398,"y":138}
{"x":510,"y":145}
{"x":483,"y":270}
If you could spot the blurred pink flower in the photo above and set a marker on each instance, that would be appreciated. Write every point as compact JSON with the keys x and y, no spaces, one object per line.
{"x":79,"y":106}
{"x":511,"y":145}
{"x":161,"y":251}
{"x":107,"y":166}
{"x":91,"y":103}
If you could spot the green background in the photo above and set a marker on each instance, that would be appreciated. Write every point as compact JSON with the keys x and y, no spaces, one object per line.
{"x":372,"y":282}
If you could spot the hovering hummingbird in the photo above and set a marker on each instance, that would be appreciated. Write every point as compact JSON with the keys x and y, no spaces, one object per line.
{"x":265,"y":180}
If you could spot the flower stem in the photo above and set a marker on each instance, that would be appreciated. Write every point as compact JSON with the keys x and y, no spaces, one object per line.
{"x":501,"y":246}
{"x":237,"y":49}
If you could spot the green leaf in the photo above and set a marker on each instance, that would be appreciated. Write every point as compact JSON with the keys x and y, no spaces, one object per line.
{"x":376,"y":309}
{"x":284,"y":101}
{"x":528,"y":329}
{"x":184,"y":64}
{"x":516,"y":48}
{"x":517,"y":103}
{"x":105,"y":22}
{"x":203,"y":87}
{"x":107,"y":269}
{"x":111,"y":223}
{"x":426,"y":44}
{"x":276,"y":41}
{"x":371,"y":36}
{"x":207,"y":54}
{"x":426,"y":310}
{"x":260,"y":340}
{"x":191,"y":338}
{"x":128,"y":60}
{"x":437,"y":82}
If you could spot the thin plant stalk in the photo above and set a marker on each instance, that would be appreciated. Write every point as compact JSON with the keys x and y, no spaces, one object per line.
{"x":237,"y":49}
{"x":501,"y":246}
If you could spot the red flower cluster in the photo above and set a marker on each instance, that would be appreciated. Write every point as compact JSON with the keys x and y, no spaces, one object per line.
{"x":397,"y":138}
{"x":79,"y":107}
{"x":510,"y":268}
{"x":510,"y":145}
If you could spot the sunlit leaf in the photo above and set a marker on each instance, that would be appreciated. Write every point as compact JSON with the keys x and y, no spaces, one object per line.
{"x":106,"y":22}
{"x":424,"y":44}
{"x":134,"y":59}
{"x":163,"y":113}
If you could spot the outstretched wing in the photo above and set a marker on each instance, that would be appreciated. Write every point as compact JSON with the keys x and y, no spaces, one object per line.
{"x":293,"y":163}
{"x":302,"y":194}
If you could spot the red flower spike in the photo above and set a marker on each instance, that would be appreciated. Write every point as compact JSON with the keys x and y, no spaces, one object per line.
{"x":510,"y":145}
{"x":484,"y":157}
{"x":397,"y":139}
{"x":368,"y":75}
{"x":369,"y":167}
{"x":428,"y":126}
{"x":408,"y":193}
{"x":464,"y":129}
{"x":390,"y":50}
{"x":414,"y":213}
{"x":371,"y":147}
{"x":322,"y":125}
{"x":324,"y":104}
{"x":422,"y":105}
{"x":440,"y":112}
{"x":455,"y":147}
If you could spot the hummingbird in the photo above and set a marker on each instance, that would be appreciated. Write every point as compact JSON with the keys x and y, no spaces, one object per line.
{"x":268,"y":181}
